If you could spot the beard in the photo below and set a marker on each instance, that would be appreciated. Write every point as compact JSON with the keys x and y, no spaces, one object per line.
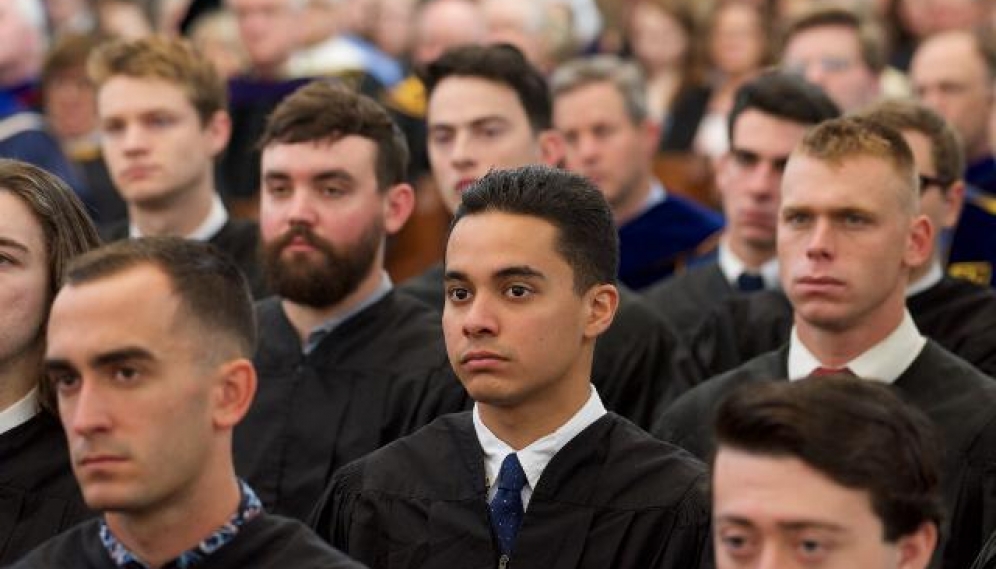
{"x":324,"y":282}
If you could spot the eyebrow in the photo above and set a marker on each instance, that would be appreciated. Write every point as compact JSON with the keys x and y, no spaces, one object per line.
{"x":323,"y":176}
{"x":475,"y":122}
{"x":13,"y":243}
{"x":792,"y":526}
{"x":128,"y":353}
{"x":521,"y":271}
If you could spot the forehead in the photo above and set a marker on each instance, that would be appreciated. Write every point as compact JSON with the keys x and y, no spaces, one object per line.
{"x":461,"y":99}
{"x":823,"y":41}
{"x":126,"y":94}
{"x":352,"y":154}
{"x":483,"y":243}
{"x":862,"y":181}
{"x":591,"y":102}
{"x":766,"y":489}
{"x":766,"y":134}
{"x":950,"y":56}
{"x":134,"y":306}
{"x":18,"y":222}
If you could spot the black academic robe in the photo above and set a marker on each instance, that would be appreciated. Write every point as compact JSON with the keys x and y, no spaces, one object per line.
{"x":238,"y":238}
{"x":684,"y":299}
{"x":376,"y":377}
{"x":266,"y":541}
{"x":987,"y":557}
{"x":640,"y":365}
{"x":612,"y":497}
{"x":39,"y":496}
{"x":959,"y":400}
{"x":957,"y":314}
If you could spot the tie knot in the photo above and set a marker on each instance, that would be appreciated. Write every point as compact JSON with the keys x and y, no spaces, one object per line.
{"x":511,"y":476}
{"x":750,"y":282}
{"x":824,"y":371}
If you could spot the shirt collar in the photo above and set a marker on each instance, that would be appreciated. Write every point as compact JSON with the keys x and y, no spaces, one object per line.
{"x":249,"y":507}
{"x":732,"y":267}
{"x":884,"y":361}
{"x":656,"y":195}
{"x":20,"y":412}
{"x":933,"y":276}
{"x":319,"y":332}
{"x":538,"y":454}
{"x":212,"y":224}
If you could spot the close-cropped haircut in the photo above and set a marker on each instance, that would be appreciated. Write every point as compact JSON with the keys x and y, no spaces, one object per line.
{"x":211,"y":289}
{"x":855,"y":432}
{"x":323,"y":111}
{"x":871,"y":38}
{"x":69,"y":52}
{"x":172,"y":60}
{"x":625,"y":76}
{"x":503,"y":64}
{"x":785,"y":96}
{"x":852,"y":137}
{"x":586,"y":233}
{"x":945,"y":146}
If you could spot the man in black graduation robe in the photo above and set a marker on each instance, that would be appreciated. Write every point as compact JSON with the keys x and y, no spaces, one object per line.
{"x":611,"y":498}
{"x":846,"y":278}
{"x":38,"y":495}
{"x":520,"y":322}
{"x":769,"y":116}
{"x":346,"y":364}
{"x":267,"y":541}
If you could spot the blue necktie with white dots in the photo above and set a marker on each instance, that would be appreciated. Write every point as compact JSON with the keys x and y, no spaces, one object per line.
{"x":506,"y":507}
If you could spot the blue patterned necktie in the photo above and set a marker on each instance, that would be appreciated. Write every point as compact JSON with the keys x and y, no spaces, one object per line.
{"x":750,"y":282}
{"x":506,"y":506}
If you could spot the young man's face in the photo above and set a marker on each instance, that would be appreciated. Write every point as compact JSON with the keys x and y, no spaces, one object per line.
{"x":604,"y":144}
{"x":268,"y":28}
{"x":24,"y":283}
{"x":845,"y":245}
{"x":780,"y":513}
{"x":135,"y":390}
{"x":154,"y":142}
{"x":476,"y":125}
{"x":750,"y":175}
{"x":322,"y":218}
{"x":513,"y":323}
{"x":830,"y":56}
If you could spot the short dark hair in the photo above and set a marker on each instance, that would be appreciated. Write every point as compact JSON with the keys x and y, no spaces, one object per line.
{"x":856,"y":432}
{"x":503,"y":64}
{"x":871,"y":39}
{"x":327,"y":111}
{"x":210,"y":286}
{"x":785,"y":96}
{"x":586,"y":233}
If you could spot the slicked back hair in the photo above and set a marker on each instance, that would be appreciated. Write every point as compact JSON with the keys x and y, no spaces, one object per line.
{"x":323,"y":111}
{"x":586,"y":233}
{"x":785,"y":96}
{"x":856,"y":432}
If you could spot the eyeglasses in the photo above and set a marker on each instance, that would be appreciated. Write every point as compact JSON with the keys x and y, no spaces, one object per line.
{"x":927,"y":181}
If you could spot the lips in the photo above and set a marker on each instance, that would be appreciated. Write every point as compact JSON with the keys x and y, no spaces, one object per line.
{"x":481,"y":360}
{"x":99,"y":460}
{"x":463,"y":184}
{"x":818,"y":284}
{"x":134,"y":173}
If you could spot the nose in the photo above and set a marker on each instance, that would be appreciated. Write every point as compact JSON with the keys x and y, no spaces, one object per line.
{"x":134,"y":141}
{"x":773,"y":557}
{"x":85,"y":412}
{"x":301,"y":208}
{"x":821,"y":240}
{"x":462,"y":157}
{"x":588,"y":148}
{"x":763,"y":180}
{"x":479,"y":318}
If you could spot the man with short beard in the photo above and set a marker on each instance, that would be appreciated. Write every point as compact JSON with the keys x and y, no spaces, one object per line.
{"x":345,"y":365}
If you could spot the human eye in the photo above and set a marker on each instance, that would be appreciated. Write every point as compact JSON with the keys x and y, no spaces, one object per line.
{"x":112,"y":128}
{"x":125,"y":374}
{"x":331,"y":191}
{"x":518,"y":291}
{"x":854,"y":220}
{"x":160,"y":120}
{"x":63,"y":380}
{"x":795,"y":218}
{"x":277,"y":189}
{"x":737,"y":544}
{"x":457,"y":294}
{"x":813,"y":549}
{"x":745,"y":159}
{"x":440,"y":136}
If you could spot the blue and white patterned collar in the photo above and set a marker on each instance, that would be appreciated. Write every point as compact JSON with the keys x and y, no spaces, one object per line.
{"x":249,"y":508}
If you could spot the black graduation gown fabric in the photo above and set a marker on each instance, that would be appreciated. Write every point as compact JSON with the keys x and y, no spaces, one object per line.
{"x":378,"y":376}
{"x":640,"y":365}
{"x":39,"y":496}
{"x":238,"y":238}
{"x":612,"y":497}
{"x":957,"y":314}
{"x":266,"y":541}
{"x":987,"y":557}
{"x":684,"y":299}
{"x":960,"y":400}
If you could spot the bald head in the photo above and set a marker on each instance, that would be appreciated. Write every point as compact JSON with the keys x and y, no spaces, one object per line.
{"x":444,"y":24}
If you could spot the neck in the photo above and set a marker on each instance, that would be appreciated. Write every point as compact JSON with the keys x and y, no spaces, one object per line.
{"x":753,"y":256}
{"x":160,"y":536}
{"x":178,"y":216}
{"x":522,"y":424}
{"x":631,"y":202}
{"x":18,"y":376}
{"x":305,"y":318}
{"x":835,"y":347}
{"x":980,"y":151}
{"x":22,"y":71}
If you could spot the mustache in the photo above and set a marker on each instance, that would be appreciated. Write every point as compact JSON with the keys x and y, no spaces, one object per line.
{"x":300,"y":231}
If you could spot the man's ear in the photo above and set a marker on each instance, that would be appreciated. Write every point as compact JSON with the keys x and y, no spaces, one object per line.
{"x":399,"y":203}
{"x":954,"y":200}
{"x":602,"y":301}
{"x":920,"y":242}
{"x":233,"y":392}
{"x":218,"y":129}
{"x":552,"y":147}
{"x":916,"y":548}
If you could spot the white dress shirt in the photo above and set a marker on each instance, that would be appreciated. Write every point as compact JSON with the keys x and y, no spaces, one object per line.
{"x":212,"y":224}
{"x":732,"y":267}
{"x":20,"y":412}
